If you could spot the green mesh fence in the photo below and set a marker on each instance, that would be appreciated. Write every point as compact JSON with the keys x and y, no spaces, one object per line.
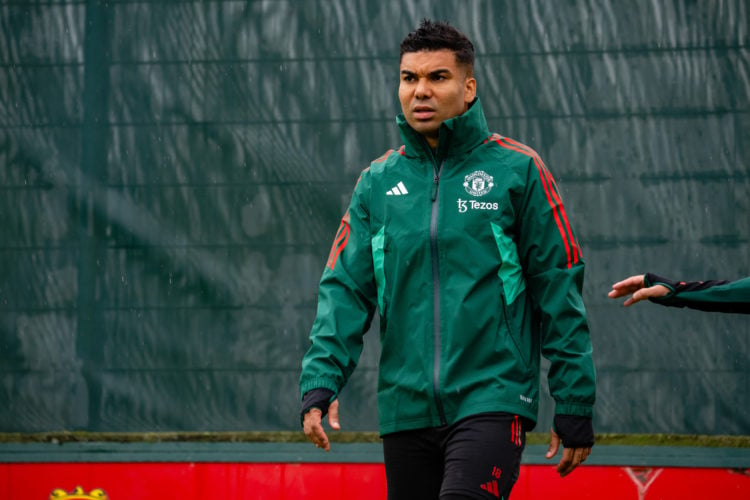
{"x":172,"y":174}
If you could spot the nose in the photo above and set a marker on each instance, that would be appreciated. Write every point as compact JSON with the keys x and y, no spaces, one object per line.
{"x":423,"y":90}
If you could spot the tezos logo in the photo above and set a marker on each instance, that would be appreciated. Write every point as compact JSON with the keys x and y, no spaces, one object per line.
{"x":478,"y":183}
{"x":464,"y":205}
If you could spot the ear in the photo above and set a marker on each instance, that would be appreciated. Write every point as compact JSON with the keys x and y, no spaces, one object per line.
{"x":470,"y":89}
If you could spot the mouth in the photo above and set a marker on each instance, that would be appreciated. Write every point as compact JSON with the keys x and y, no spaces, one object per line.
{"x":423,"y":112}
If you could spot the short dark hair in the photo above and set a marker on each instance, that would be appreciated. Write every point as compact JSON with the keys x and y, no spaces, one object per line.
{"x":432,"y":35}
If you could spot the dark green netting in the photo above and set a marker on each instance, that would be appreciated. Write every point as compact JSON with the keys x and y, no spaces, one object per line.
{"x":172,"y":174}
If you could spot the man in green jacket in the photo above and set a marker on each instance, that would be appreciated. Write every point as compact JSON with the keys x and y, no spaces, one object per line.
{"x":460,"y":240}
{"x":712,"y":295}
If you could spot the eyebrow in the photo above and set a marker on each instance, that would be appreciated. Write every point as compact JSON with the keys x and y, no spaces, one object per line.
{"x":437,"y":72}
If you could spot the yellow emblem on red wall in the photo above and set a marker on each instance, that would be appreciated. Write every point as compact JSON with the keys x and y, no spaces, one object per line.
{"x":78,"y":494}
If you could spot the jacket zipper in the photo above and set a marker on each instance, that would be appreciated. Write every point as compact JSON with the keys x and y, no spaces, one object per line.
{"x":436,"y":292}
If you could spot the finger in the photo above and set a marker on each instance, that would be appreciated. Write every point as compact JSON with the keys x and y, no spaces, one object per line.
{"x":632,"y":283}
{"x":322,"y":439}
{"x":310,"y":420}
{"x":565,"y":466}
{"x":576,"y":458}
{"x":314,"y":430}
{"x":642,"y":294}
{"x":554,"y":444}
{"x":333,"y":415}
{"x":567,"y":462}
{"x":319,"y":438}
{"x":619,"y":289}
{"x":615,"y":294}
{"x":578,"y":454}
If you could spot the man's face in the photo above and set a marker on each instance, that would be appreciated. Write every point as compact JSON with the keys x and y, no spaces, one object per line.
{"x":433,"y":88}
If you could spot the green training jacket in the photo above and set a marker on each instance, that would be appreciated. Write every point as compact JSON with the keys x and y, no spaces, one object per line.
{"x":469,"y":256}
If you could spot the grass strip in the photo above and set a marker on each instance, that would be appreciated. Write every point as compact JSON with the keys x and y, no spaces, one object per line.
{"x":532,"y":438}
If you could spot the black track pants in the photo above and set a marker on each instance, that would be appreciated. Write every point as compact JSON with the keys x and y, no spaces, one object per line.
{"x":478,"y":457}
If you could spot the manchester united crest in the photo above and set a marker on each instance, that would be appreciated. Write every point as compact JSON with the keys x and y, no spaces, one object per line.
{"x":78,"y":494}
{"x":478,"y":183}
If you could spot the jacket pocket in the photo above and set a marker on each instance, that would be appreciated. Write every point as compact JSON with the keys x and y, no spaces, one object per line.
{"x":516,"y":331}
{"x":513,"y":296}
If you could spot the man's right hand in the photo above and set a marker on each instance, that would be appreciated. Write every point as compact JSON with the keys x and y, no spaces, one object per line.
{"x":313,"y":425}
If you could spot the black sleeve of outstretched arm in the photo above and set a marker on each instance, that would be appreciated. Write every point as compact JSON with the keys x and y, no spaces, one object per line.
{"x":712,"y":295}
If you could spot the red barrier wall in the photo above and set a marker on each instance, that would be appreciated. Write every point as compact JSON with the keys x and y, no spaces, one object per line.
{"x":311,"y":481}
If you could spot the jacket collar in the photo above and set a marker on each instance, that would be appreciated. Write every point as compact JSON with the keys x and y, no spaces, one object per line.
{"x":457,"y":136}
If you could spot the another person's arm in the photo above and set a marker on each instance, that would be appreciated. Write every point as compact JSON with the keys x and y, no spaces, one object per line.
{"x":713,"y":295}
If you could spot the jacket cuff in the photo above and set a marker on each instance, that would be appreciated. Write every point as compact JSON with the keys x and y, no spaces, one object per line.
{"x":318,"y":383}
{"x":575,"y":431}
{"x":317,"y":398}
{"x":577,"y":409}
{"x":651,"y":279}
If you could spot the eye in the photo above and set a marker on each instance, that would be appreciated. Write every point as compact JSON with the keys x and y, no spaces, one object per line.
{"x":407,"y":78}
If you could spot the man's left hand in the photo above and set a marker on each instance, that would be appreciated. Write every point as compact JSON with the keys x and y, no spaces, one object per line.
{"x":571,"y":457}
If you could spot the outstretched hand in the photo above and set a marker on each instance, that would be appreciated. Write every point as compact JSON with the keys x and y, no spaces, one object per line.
{"x":313,"y":425}
{"x":571,"y":457}
{"x":636,"y":286}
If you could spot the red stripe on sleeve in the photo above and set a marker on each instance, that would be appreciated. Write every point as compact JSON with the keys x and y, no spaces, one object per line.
{"x":556,"y":194}
{"x":547,"y":189}
{"x":342,"y":238}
